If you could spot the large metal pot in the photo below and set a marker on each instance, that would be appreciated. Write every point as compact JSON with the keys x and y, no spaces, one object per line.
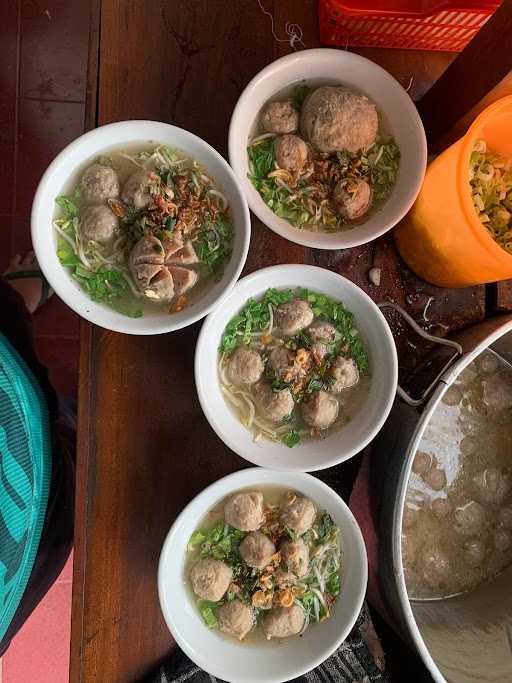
{"x":463,"y":639}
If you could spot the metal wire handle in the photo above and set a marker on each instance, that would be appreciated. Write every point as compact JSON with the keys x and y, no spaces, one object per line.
{"x":415,"y":402}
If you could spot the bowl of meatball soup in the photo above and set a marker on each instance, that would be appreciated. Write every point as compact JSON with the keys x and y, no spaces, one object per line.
{"x":297,"y":370}
{"x":329,"y":148}
{"x":140,"y":227}
{"x":260,"y":579}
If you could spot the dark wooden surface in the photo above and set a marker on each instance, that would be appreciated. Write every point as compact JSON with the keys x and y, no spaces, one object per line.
{"x":145,"y":448}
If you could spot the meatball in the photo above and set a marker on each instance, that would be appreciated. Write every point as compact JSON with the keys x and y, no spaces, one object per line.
{"x":257,"y":549}
{"x":280,"y":117}
{"x":421,"y":463}
{"x":410,"y":517}
{"x":154,"y":281}
{"x":99,"y":183}
{"x":453,"y":396}
{"x":235,"y":619}
{"x":282,"y":622}
{"x":353,"y":199}
{"x":469,"y":518}
{"x":323,"y":332}
{"x":98,"y":224}
{"x":492,"y":485}
{"x":293,"y":316}
{"x":488,"y":363}
{"x":295,"y":556}
{"x":298,"y":515}
{"x":435,"y":478}
{"x":505,"y":518}
{"x":210,"y":579}
{"x":148,"y":249}
{"x":434,"y":567}
{"x":497,"y":394}
{"x":245,"y":366}
{"x":441,"y":507}
{"x":474,"y":551}
{"x":502,"y":540}
{"x":273,"y":405}
{"x":137,"y":189}
{"x":320,"y":411}
{"x":345,"y":374}
{"x":334,"y":118}
{"x":244,"y":511}
{"x":291,"y":153}
{"x":280,"y":359}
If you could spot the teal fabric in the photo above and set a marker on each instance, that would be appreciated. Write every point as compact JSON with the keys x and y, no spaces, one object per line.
{"x":25,"y":473}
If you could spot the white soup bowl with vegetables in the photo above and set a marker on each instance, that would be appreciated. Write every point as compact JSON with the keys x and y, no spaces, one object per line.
{"x":251,"y":624}
{"x":329,"y":148}
{"x":297,"y":370}
{"x":140,"y":227}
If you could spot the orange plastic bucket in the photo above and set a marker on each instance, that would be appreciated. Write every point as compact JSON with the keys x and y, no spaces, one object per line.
{"x":442,"y":238}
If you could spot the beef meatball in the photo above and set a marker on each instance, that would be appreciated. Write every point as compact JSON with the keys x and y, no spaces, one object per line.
{"x":353,"y":199}
{"x":474,"y":551}
{"x":323,"y":332}
{"x":273,"y":405}
{"x":257,"y":549}
{"x":293,"y":316}
{"x":148,"y":249}
{"x":320,"y":411}
{"x":280,"y":359}
{"x":497,"y":394}
{"x":236,"y":619}
{"x":210,"y":579}
{"x":245,"y":366}
{"x":282,"y":622}
{"x":505,"y":518}
{"x":98,"y":224}
{"x":154,"y":281}
{"x":435,"y":478}
{"x":137,"y":189}
{"x":434,"y":567}
{"x":298,"y":515}
{"x":492,"y":485}
{"x":280,"y":117}
{"x":334,"y":118}
{"x":469,"y":518}
{"x":441,"y":507}
{"x":345,"y":374}
{"x":291,"y":153}
{"x":422,"y":462}
{"x":502,"y":540}
{"x":295,"y":556}
{"x":244,"y":510}
{"x":99,"y":183}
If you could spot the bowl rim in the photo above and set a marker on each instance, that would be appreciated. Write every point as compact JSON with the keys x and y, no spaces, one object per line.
{"x":124,"y":324}
{"x":308,"y":238}
{"x":249,"y":477}
{"x":205,"y":332}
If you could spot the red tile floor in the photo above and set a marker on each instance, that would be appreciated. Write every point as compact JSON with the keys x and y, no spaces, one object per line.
{"x":43,"y":72}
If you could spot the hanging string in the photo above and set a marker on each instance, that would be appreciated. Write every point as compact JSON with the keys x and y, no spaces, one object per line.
{"x":293,"y":31}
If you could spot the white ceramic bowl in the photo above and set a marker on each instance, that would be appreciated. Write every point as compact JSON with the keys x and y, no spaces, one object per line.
{"x":314,"y":454}
{"x":77,"y":156}
{"x":400,"y":117}
{"x":271,"y":662}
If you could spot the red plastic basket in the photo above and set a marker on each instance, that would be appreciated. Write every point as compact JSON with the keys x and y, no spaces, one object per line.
{"x":415,"y":25}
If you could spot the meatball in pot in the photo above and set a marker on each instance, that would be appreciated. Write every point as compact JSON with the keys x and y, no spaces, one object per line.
{"x":291,"y":153}
{"x":99,"y":183}
{"x":293,"y":316}
{"x":257,"y":550}
{"x":245,"y":366}
{"x":236,"y":619}
{"x":283,"y":622}
{"x":298,"y":515}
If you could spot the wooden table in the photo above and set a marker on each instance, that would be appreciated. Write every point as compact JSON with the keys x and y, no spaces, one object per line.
{"x":145,"y":448}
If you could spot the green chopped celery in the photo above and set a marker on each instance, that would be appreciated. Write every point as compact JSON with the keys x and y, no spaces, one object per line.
{"x":207,"y":610}
{"x":196,"y":539}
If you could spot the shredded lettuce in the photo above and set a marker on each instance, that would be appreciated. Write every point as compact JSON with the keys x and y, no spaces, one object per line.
{"x":491,"y":190}
{"x":291,"y":438}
